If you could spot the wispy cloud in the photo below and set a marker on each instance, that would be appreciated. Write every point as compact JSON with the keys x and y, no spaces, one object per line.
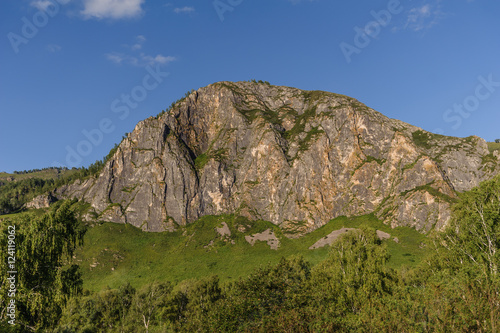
{"x":116,"y":58}
{"x":53,"y":48}
{"x":114,"y":9}
{"x":139,"y":59}
{"x":140,"y":40}
{"x":424,"y":17}
{"x":158,"y":59}
{"x":184,"y":10}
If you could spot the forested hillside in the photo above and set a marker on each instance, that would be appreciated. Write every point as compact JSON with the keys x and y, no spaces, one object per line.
{"x":354,"y":289}
{"x":20,"y":187}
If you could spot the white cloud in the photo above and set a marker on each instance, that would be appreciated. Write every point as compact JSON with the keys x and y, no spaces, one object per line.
{"x":159,"y":59}
{"x":117,"y":59}
{"x":138,"y":59}
{"x":140,"y":40}
{"x":115,"y":9}
{"x":53,"y":48}
{"x":184,"y":10}
{"x":41,"y":4}
{"x":424,"y":17}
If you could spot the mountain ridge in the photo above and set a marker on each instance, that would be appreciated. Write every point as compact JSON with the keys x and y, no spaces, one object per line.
{"x":292,"y":157}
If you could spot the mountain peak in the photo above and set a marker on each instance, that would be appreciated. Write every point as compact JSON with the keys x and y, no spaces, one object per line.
{"x":293,"y":157}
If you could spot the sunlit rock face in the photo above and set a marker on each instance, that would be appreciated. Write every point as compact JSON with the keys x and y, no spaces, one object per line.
{"x":295,"y":158}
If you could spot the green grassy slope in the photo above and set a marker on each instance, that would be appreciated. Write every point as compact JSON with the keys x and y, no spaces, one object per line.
{"x":114,"y":254}
{"x":38,"y":212}
{"x":492,"y":146}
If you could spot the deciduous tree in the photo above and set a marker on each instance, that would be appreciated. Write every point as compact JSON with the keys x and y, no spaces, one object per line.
{"x":42,"y":246}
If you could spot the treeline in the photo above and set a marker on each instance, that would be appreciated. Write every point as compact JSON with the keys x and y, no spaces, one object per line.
{"x":260,"y":81}
{"x":353,"y":290}
{"x":13,"y":195}
{"x":58,"y":169}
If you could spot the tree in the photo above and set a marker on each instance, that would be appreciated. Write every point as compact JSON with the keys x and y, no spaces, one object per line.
{"x":152,"y":302}
{"x":193,"y":301}
{"x":353,"y":277}
{"x":267,"y":294}
{"x":42,"y":244}
{"x":473,"y":235}
{"x":5,"y":206}
{"x":473,"y":243}
{"x":107,"y":310}
{"x":497,"y":140}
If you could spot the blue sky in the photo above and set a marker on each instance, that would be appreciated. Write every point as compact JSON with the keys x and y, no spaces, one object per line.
{"x":76,"y":75}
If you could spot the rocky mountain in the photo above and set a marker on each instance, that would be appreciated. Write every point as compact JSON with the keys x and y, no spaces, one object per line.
{"x":295,"y":158}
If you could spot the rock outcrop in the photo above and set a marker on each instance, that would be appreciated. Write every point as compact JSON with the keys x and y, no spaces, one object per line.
{"x":295,"y":158}
{"x":41,"y":201}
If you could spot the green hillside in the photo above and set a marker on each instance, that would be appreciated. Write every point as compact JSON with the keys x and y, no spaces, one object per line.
{"x":114,"y":254}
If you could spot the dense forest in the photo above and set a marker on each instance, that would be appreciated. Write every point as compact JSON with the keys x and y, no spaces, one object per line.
{"x":457,"y":289}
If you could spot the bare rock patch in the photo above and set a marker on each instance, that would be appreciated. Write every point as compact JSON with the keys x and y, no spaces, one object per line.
{"x":265,"y":236}
{"x":334,"y":235}
{"x":383,"y":235}
{"x":330,"y":238}
{"x":224,"y":230}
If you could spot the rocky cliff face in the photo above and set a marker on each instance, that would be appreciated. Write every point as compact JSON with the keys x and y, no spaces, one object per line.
{"x":295,"y":158}
{"x":41,"y":201}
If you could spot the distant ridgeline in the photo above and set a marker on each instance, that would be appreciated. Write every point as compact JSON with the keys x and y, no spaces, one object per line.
{"x":20,"y":187}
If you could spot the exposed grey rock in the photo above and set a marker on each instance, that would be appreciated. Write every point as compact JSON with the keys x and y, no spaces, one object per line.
{"x":292,"y":157}
{"x":330,"y":238}
{"x":224,"y":230}
{"x":267,"y":236}
{"x":334,"y":235}
{"x":383,"y":235}
{"x":41,"y":201}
